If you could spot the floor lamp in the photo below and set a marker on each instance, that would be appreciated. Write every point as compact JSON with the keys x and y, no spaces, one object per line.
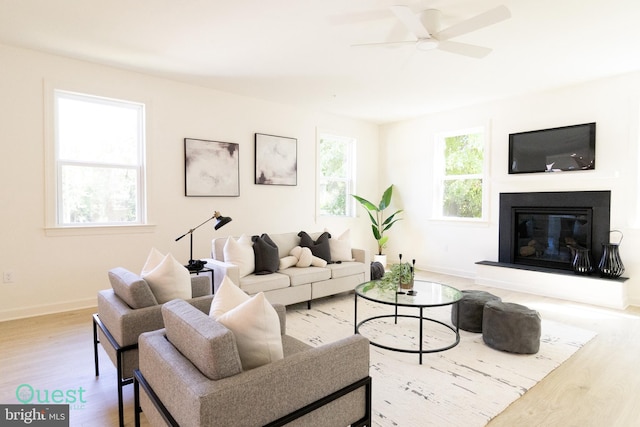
{"x":196,"y":264}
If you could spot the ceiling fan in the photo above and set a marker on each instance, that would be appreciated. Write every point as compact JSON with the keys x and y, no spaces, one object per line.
{"x":425,"y":26}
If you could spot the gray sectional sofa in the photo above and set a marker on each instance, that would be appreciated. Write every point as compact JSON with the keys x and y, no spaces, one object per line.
{"x":293,"y":284}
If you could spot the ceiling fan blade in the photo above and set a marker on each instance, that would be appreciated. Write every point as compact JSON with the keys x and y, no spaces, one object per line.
{"x":465,"y":49}
{"x":411,"y":21}
{"x":490,"y":17}
{"x":385,"y":44}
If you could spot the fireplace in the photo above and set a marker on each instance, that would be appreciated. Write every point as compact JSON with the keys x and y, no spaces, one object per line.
{"x":542,"y":230}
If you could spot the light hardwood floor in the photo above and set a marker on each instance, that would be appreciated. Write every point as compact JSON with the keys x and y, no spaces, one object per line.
{"x":597,"y":386}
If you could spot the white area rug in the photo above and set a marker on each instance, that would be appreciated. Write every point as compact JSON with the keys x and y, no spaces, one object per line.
{"x":464,"y":386}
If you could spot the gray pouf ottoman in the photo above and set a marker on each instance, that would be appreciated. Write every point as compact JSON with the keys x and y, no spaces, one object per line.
{"x":471,"y":310}
{"x":511,"y":327}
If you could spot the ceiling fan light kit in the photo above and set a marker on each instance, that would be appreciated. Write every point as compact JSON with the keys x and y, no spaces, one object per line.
{"x":425,"y":26}
{"x":427,"y":44}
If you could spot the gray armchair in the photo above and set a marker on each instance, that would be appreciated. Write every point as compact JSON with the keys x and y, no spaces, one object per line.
{"x":126,"y":311}
{"x":190,"y":375}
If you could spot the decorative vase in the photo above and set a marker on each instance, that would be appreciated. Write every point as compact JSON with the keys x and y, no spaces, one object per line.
{"x":382,"y":259}
{"x":408,"y":285}
{"x":581,"y":263}
{"x":610,"y":264}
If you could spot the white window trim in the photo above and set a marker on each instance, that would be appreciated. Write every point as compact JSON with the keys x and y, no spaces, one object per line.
{"x":438,"y":169}
{"x":51,"y":226}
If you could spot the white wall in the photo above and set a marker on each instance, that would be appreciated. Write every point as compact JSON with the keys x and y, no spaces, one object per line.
{"x":55,"y":273}
{"x":454,"y":247}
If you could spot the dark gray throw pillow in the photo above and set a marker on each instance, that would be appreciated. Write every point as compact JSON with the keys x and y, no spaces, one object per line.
{"x":266,"y":255}
{"x":320,"y":247}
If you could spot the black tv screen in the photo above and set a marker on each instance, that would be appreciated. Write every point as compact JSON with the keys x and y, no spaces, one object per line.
{"x":568,"y":148}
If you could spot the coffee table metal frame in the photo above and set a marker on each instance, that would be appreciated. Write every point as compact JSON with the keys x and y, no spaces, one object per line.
{"x":391,"y":298}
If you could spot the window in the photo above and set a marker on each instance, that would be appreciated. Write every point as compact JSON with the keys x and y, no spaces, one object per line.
{"x":336,"y":165}
{"x":99,"y":161}
{"x":461,"y":174}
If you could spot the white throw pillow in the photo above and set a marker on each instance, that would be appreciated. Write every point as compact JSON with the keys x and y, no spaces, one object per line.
{"x":340,"y":247}
{"x":240,"y":253}
{"x":167,"y":278}
{"x":228,"y":297}
{"x":256,"y":327}
{"x":154,"y":258}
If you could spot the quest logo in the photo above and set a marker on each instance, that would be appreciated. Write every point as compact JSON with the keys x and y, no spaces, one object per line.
{"x":27,"y":394}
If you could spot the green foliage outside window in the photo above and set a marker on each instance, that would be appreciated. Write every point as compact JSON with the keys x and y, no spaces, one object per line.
{"x":463,"y":198}
{"x":335,"y":180}
{"x":464,"y":159}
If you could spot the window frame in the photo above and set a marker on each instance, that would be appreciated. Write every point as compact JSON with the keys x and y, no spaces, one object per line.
{"x":349,"y":180}
{"x":54,"y":224}
{"x":440,"y":178}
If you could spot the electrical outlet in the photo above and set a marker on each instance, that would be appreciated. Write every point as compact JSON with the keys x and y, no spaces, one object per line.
{"x":8,"y":277}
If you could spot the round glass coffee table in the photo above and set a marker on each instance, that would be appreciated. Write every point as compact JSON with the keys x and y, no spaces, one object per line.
{"x":425,"y":295}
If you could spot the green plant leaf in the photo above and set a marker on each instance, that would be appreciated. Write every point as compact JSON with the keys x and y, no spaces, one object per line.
{"x":376,"y":233}
{"x":364,"y":202}
{"x":368,"y":287}
{"x":389,"y":225}
{"x":388,"y":220}
{"x":386,"y":198}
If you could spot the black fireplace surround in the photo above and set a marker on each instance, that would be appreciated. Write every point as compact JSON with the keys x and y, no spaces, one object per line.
{"x":544,"y":229}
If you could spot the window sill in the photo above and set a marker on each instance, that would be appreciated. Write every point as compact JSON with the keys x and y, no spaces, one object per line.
{"x":479,"y":222}
{"x":99,"y":230}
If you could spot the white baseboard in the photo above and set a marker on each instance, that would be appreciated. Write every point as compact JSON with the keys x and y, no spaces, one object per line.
{"x":44,"y":309}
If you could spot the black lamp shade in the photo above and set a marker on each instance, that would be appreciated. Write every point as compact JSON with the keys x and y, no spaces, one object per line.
{"x":222,"y":221}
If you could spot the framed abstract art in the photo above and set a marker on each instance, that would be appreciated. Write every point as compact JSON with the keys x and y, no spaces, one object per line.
{"x":276,"y":160}
{"x":212,"y":168}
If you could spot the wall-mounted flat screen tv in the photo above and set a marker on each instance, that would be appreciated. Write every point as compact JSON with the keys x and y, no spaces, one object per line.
{"x":568,"y":148}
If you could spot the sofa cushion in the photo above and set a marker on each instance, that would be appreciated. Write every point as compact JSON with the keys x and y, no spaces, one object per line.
{"x":285,"y":242}
{"x":240,"y":253}
{"x":228,"y":297}
{"x":131,"y":288}
{"x":266,"y":256}
{"x":167,"y":278}
{"x":345,"y":269}
{"x":340,"y":247}
{"x":208,"y":344}
{"x":252,"y":284}
{"x":300,"y":276}
{"x":256,"y":327}
{"x":319,"y":247}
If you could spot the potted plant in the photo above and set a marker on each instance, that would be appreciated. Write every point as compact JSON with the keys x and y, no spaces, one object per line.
{"x":380,"y":223}
{"x":400,"y":274}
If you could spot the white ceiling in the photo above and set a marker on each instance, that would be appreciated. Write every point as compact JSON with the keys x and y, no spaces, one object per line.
{"x":299,"y":51}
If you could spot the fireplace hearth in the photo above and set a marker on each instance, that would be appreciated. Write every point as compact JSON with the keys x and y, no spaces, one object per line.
{"x":543,"y":229}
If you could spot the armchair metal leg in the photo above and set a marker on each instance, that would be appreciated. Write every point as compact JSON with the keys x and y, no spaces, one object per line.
{"x":136,"y":400}
{"x":95,"y":345}
{"x":120,"y":352}
{"x":139,"y":380}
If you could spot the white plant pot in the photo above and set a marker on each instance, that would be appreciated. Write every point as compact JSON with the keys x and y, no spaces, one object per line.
{"x":382,"y":259}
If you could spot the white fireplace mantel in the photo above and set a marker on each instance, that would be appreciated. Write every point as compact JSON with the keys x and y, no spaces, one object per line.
{"x":612,"y":293}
